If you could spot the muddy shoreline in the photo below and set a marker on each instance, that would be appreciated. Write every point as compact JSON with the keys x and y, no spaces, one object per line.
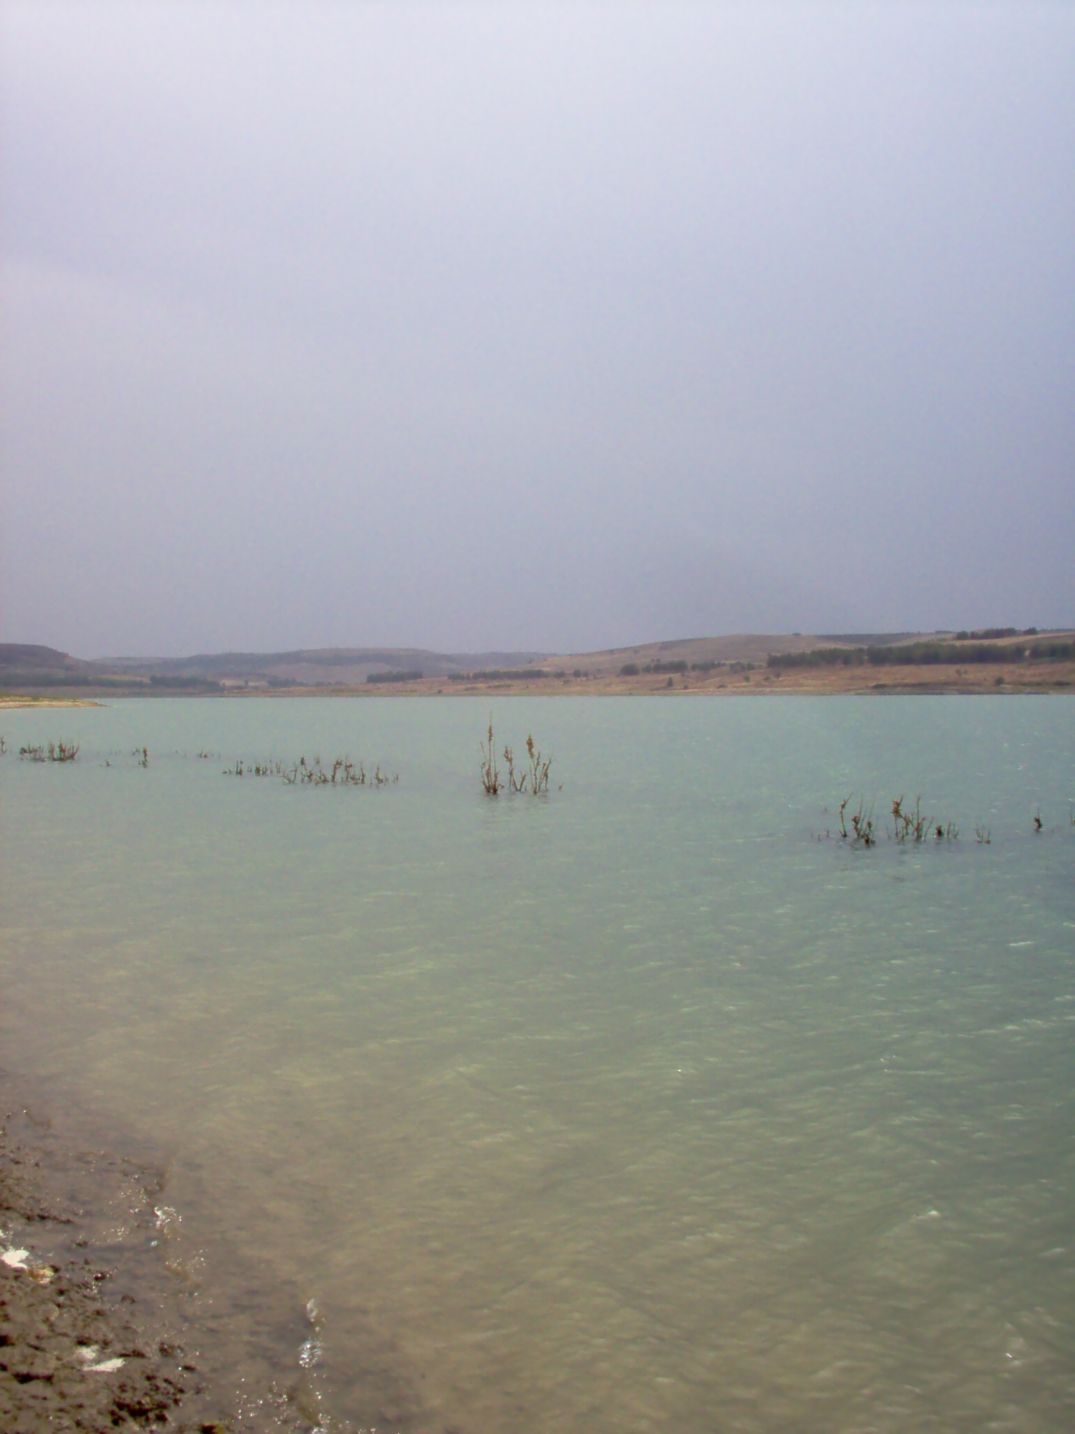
{"x":110,"y":1319}
{"x":90,"y":1332}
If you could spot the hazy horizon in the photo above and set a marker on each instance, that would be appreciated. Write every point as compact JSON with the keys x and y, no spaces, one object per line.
{"x":539,"y":326}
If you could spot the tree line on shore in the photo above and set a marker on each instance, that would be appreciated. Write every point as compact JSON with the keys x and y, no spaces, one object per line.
{"x":913,"y":654}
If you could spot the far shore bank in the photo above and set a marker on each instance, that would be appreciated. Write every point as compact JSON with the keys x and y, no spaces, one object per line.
{"x":986,"y":660}
{"x":738,"y":680}
{"x":9,"y":700}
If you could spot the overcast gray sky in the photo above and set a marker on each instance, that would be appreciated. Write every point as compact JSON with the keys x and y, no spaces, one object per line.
{"x":533,"y":325}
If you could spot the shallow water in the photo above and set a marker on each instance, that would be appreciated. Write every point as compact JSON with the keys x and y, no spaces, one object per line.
{"x":642,"y":1106}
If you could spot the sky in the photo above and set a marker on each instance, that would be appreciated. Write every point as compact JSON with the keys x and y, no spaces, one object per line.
{"x":519,"y":325}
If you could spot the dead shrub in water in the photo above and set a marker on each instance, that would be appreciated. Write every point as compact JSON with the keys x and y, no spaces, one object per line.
{"x":312,"y":772}
{"x":533,"y":778}
{"x":908,"y":825}
{"x":516,"y":780}
{"x":861,"y":824}
{"x":55,"y":752}
{"x":539,"y":768}
{"x":489,"y":769}
{"x":342,"y":773}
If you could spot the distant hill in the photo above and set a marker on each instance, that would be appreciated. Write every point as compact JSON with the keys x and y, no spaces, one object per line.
{"x":26,"y":666}
{"x":29,"y":658}
{"x":320,"y":666}
{"x":800,"y":660}
{"x":736,"y":647}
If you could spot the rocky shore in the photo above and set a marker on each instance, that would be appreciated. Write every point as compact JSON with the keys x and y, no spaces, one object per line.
{"x":88,"y":1340}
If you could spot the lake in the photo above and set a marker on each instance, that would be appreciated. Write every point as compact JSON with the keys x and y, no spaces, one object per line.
{"x":647,"y":1105}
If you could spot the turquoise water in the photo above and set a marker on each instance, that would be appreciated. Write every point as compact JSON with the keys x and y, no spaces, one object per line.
{"x":643,"y":1106}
